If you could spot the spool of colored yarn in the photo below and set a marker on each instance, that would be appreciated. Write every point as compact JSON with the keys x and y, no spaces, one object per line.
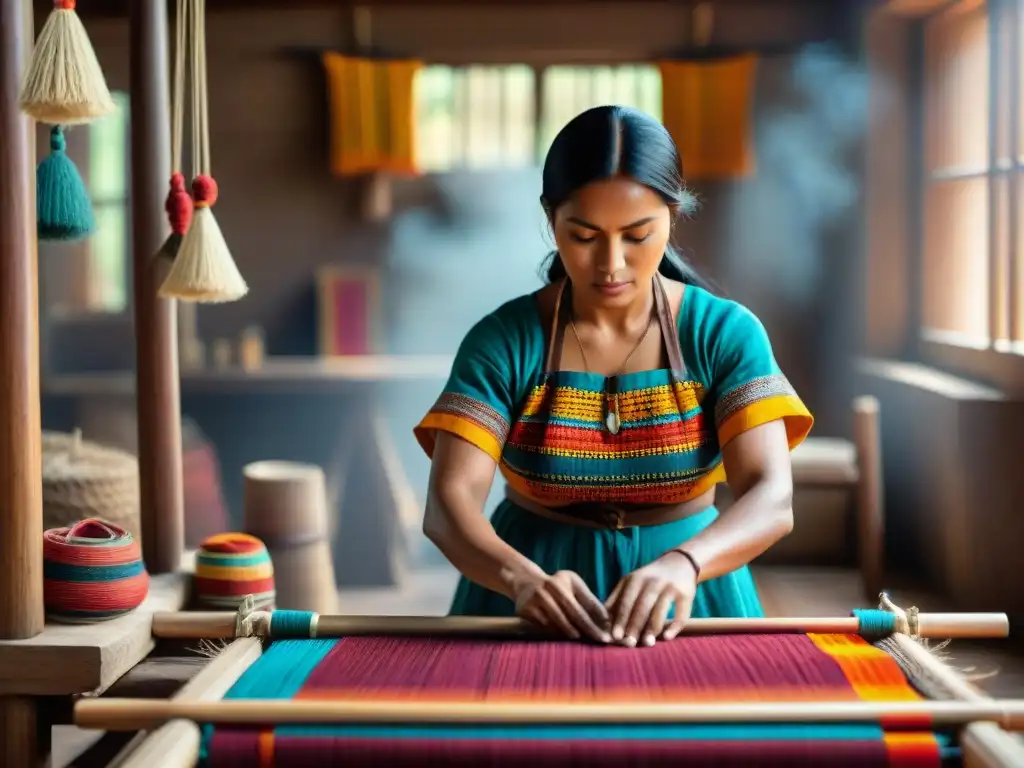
{"x":92,"y":572}
{"x":230,"y":566}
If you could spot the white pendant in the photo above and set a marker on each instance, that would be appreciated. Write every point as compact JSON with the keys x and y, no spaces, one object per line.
{"x":612,"y":422}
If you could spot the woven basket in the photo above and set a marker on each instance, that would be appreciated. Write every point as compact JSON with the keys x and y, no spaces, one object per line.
{"x":83,"y":479}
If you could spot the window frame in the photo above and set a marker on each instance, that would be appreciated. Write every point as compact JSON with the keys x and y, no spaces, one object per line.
{"x":85,"y":250}
{"x":995,"y":360}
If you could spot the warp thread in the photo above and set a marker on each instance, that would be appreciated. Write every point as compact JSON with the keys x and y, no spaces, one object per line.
{"x":92,"y":571}
{"x":231,"y":566}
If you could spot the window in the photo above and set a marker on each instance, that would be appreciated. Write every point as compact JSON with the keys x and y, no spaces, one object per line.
{"x":480,"y":118}
{"x":107,"y":180}
{"x":567,"y":91}
{"x":475,"y":118}
{"x":972,"y":286}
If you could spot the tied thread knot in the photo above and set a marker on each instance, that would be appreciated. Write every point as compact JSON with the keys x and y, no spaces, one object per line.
{"x":57,"y":141}
{"x":248,"y":621}
{"x":907,"y":622}
{"x":178,"y":205}
{"x":204,"y":191}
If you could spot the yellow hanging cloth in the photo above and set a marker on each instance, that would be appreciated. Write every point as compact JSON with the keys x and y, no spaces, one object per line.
{"x":708,"y":108}
{"x":372,"y":114}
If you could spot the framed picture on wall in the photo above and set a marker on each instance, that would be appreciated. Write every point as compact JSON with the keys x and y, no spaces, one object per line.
{"x":349,"y":310}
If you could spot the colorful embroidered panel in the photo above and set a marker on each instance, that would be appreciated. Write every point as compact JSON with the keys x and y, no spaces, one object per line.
{"x":791,"y":667}
{"x":559,"y":450}
{"x":547,"y":430}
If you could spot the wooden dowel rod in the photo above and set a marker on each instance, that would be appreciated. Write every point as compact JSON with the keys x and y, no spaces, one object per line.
{"x":176,"y":743}
{"x":141,"y":714}
{"x":222,"y":625}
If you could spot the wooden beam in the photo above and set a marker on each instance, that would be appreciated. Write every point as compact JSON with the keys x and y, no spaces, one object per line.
{"x":157,"y":386}
{"x":107,"y":8}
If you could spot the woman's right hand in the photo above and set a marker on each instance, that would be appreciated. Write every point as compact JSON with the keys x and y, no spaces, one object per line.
{"x":562,"y":603}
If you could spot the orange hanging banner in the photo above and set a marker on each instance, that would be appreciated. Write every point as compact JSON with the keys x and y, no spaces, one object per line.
{"x":372,"y":114}
{"x":708,"y":108}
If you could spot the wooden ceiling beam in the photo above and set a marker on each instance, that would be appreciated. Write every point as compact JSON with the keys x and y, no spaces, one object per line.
{"x":116,"y":8}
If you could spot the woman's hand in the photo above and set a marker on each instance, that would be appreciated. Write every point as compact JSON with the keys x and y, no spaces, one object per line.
{"x":640,"y":603}
{"x":562,"y":603}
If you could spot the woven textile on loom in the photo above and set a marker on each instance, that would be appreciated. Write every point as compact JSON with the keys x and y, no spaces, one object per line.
{"x":791,"y":667}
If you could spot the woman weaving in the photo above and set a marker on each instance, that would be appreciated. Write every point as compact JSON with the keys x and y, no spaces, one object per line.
{"x":613,"y":400}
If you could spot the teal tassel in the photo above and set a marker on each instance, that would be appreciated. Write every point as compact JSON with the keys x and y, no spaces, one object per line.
{"x":63,"y":207}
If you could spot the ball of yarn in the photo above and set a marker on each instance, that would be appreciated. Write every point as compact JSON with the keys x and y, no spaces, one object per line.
{"x":92,"y":572}
{"x":230,"y":566}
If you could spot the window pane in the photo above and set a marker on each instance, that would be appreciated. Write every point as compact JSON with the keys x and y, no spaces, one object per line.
{"x":955,"y":258}
{"x":475,"y":117}
{"x":956,"y":94}
{"x":571,"y":90}
{"x":109,"y":247}
{"x":108,"y":144}
{"x":520,"y":121}
{"x":434,"y":95}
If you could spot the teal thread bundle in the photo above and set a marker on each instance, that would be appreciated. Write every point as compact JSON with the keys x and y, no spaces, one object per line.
{"x":63,"y":208}
{"x":92,"y":572}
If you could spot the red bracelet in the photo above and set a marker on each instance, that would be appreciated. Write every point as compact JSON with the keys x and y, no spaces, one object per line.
{"x":693,"y":562}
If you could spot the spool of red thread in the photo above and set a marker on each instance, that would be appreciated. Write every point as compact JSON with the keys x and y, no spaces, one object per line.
{"x":92,"y":572}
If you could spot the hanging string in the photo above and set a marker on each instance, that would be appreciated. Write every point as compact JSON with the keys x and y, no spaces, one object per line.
{"x":204,"y":270}
{"x":178,"y":205}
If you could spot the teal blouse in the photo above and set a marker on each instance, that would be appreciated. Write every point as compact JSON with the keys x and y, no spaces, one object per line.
{"x":545,"y":430}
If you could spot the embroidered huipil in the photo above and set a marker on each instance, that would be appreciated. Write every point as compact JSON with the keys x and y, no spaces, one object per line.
{"x":546,"y":428}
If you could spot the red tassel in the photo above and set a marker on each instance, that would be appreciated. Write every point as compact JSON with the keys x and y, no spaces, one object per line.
{"x":204,"y":191}
{"x":178,"y":205}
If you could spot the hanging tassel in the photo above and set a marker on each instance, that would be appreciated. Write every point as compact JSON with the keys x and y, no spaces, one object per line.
{"x":179,"y":214}
{"x":63,"y":207}
{"x":64,"y":83}
{"x":204,"y":270}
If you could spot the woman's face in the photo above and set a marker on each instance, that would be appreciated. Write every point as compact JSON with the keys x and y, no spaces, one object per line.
{"x":612,"y":236}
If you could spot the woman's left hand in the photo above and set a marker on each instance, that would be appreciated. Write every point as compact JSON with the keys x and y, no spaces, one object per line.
{"x":640,"y":603}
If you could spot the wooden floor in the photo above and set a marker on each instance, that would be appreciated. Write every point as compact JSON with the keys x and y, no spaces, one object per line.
{"x":993,"y":665}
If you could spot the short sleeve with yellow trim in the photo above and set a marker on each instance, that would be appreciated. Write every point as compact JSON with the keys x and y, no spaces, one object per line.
{"x":495,"y":362}
{"x":748,"y":387}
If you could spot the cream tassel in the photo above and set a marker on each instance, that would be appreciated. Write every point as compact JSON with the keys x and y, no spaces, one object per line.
{"x":64,"y":84}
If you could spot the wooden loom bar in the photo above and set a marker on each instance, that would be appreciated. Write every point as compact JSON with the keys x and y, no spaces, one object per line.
{"x":143,"y":714}
{"x":157,"y":386}
{"x":178,"y":742}
{"x":984,"y":745}
{"x":223,"y":625}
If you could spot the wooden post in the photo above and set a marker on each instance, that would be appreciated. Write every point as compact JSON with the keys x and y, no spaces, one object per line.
{"x":157,"y":386}
{"x":21,"y":485}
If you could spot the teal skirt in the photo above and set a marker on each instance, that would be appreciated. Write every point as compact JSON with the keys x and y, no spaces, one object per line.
{"x":601,"y":558}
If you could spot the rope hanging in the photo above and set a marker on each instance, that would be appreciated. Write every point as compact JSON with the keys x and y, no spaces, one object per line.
{"x":63,"y":85}
{"x":179,"y":203}
{"x":203,"y":269}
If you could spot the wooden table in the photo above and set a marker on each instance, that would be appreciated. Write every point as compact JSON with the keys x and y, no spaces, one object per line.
{"x":320,"y":410}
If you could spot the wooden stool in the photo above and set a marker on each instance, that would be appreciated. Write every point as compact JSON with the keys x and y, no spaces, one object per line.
{"x":286,"y":507}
